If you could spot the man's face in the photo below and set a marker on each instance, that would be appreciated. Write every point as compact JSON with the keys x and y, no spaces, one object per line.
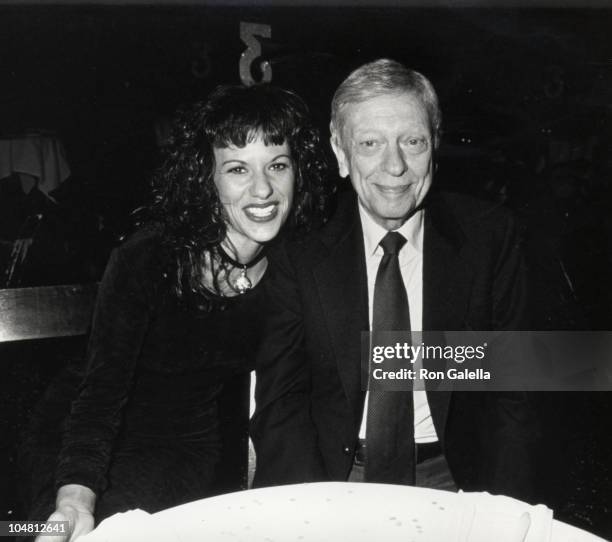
{"x":386,"y":147}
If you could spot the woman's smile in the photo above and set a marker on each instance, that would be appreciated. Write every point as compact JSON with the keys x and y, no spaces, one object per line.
{"x":262,"y":212}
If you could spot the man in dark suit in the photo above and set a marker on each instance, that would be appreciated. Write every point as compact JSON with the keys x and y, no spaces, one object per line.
{"x":394,"y":252}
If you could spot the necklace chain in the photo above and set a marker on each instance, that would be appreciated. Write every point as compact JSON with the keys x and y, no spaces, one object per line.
{"x":242,"y":283}
{"x":225,"y":256}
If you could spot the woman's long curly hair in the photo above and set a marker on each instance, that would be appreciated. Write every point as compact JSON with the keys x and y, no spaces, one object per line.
{"x":185,"y":200}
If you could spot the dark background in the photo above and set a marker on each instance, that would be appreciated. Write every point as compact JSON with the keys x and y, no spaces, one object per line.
{"x":526,"y":95}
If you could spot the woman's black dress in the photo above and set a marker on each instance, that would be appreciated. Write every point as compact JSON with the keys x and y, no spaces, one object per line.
{"x":144,"y":430}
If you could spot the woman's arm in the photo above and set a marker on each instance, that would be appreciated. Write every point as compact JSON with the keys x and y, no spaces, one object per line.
{"x":120,"y":321}
{"x":121,"y":318}
{"x":74,"y":504}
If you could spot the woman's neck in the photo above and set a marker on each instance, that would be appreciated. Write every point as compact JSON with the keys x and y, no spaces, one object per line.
{"x":243,"y":253}
{"x":246,"y":263}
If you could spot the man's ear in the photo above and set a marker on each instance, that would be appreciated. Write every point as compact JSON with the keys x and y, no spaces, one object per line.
{"x":341,"y":157}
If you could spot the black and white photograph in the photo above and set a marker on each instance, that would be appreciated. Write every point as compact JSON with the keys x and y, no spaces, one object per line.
{"x":278,"y":271}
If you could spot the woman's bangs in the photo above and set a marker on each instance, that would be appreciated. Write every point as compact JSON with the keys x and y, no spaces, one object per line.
{"x":272,"y":123}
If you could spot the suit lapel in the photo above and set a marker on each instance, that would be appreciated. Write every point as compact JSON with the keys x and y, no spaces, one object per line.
{"x":342,"y":284}
{"x":446,"y":276}
{"x":446,"y":288}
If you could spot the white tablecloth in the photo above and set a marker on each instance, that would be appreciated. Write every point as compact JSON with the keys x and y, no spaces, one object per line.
{"x":343,"y":511}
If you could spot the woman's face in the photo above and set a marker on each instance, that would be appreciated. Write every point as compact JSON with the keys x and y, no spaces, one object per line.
{"x":255,"y":185}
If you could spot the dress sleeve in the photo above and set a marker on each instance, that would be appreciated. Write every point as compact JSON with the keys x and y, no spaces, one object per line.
{"x":119,"y":324}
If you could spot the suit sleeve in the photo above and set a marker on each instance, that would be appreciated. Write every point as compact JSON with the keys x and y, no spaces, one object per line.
{"x":509,"y":283}
{"x":282,"y":430}
{"x":514,"y":428}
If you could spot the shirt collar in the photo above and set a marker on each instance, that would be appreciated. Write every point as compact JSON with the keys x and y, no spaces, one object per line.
{"x":373,"y":233}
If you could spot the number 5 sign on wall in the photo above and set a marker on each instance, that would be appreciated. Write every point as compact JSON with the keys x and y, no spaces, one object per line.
{"x":249,"y":34}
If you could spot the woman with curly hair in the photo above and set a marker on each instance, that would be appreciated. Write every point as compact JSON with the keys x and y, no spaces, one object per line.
{"x":178,"y":308}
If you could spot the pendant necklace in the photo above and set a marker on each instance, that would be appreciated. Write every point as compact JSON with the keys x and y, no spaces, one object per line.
{"x":243,"y":282}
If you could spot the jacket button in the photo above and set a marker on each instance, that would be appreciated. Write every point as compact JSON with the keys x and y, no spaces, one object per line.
{"x":346,"y":450}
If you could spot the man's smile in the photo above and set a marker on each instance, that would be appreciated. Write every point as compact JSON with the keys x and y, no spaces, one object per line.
{"x":392,"y":190}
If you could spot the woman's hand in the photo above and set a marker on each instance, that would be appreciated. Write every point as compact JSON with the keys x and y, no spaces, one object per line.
{"x":74,"y":504}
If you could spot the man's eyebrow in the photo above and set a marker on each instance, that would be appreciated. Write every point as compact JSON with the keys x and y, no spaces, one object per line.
{"x":365,"y":133}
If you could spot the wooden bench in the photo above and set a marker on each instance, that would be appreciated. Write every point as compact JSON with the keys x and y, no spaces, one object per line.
{"x":46,"y":312}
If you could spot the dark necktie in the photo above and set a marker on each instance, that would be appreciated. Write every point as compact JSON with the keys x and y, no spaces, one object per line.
{"x":390,"y":418}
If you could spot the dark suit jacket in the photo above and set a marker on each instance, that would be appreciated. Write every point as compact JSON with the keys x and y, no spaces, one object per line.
{"x":309,"y":397}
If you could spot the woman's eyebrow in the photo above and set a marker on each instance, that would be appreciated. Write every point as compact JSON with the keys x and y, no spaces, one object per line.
{"x":232,"y":160}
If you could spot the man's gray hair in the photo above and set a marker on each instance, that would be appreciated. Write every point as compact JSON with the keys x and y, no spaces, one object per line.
{"x":380,"y":77}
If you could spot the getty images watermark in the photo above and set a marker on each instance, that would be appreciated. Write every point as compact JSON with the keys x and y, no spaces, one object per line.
{"x":413,"y":354}
{"x":484,"y":360}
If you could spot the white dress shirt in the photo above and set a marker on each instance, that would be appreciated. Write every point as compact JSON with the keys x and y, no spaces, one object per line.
{"x":411,"y":268}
